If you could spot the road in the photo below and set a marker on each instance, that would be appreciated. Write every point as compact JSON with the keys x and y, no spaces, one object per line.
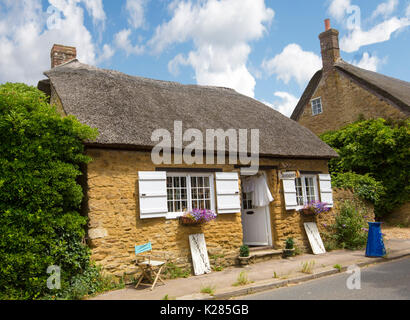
{"x":389,"y":281}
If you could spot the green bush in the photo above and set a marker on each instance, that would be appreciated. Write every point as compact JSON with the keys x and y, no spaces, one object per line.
{"x":364,"y":186}
{"x":348,"y":230}
{"x":244,"y":251}
{"x":379,"y":149}
{"x":40,"y":224}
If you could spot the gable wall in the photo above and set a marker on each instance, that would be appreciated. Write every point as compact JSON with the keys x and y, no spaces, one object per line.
{"x":343,"y":102}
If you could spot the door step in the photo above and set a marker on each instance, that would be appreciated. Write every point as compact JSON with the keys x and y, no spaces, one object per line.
{"x":264,"y":255}
{"x":261,"y":248}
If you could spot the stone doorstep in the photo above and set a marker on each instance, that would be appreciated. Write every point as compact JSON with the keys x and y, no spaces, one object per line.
{"x":260,"y":286}
{"x":263,"y":255}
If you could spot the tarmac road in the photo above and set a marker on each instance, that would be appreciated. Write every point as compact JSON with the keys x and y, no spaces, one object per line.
{"x":386,"y":281}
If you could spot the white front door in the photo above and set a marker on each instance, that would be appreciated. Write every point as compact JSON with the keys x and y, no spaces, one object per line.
{"x":255,"y":223}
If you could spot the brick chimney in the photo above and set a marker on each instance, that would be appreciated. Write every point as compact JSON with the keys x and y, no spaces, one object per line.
{"x":61,"y":54}
{"x":329,"y":44}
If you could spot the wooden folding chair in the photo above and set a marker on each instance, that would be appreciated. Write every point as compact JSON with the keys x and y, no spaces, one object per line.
{"x":151,"y":269}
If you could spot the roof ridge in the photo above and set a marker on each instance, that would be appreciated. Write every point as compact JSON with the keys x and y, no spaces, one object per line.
{"x":135,"y":77}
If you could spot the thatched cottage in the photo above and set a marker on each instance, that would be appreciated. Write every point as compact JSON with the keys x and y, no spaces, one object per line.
{"x":131,"y":200}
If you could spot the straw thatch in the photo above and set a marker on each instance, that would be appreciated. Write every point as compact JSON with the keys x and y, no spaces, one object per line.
{"x":127,"y":109}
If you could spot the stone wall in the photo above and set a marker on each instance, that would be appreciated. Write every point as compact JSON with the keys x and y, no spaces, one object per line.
{"x":400,"y":216}
{"x":291,"y":223}
{"x":115,"y":226}
{"x":343,"y":101}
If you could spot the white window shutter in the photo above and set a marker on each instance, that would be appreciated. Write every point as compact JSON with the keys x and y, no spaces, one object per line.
{"x":325,"y":185}
{"x":289,"y":191}
{"x":227,"y":192}
{"x":152,"y":194}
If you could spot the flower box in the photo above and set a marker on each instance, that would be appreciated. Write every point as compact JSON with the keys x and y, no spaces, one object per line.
{"x":186,"y":221}
{"x":197,"y":217}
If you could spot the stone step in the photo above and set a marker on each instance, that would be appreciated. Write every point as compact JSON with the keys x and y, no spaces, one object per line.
{"x":262,"y":248}
{"x":261,"y":255}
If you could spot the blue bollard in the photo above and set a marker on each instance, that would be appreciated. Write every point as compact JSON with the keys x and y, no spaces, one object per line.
{"x":375,"y":246}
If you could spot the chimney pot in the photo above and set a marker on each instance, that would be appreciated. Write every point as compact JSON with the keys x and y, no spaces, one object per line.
{"x":327,"y":24}
{"x":61,"y":54}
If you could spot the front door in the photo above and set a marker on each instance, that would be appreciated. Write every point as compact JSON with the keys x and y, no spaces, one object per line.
{"x":255,"y":223}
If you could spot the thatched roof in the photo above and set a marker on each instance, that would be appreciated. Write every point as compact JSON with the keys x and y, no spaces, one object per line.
{"x":127,"y":109}
{"x":395,"y":91}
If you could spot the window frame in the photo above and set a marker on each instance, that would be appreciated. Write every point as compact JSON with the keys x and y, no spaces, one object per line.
{"x":304,"y":194}
{"x":188,"y":175}
{"x":321,"y":106}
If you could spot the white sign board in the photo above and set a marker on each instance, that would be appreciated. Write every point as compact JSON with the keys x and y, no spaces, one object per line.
{"x":199,"y":254}
{"x":287,"y":175}
{"x":314,"y":238}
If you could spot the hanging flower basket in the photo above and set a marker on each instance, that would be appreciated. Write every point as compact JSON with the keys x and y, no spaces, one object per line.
{"x":197,"y":217}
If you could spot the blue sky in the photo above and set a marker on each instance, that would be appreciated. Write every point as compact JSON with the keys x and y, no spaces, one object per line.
{"x":265,"y":49}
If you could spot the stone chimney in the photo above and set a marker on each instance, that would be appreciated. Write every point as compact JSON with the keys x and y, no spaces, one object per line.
{"x":329,"y":44}
{"x":61,"y":54}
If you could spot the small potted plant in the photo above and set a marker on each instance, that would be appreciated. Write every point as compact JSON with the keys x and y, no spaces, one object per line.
{"x":197,"y":216}
{"x":315,"y":208}
{"x":244,"y":255}
{"x":289,"y":248}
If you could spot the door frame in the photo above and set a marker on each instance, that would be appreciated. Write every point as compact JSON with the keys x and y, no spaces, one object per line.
{"x":268,"y":222}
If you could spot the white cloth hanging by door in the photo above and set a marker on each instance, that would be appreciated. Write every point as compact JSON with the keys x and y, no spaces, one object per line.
{"x":261,"y":196}
{"x":257,"y":185}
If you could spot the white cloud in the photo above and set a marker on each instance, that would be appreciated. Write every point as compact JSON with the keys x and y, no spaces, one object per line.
{"x":338,"y":8}
{"x":286,"y":103}
{"x":369,"y":62}
{"x":344,"y":11}
{"x":221,"y":32}
{"x":107,"y":53}
{"x":96,"y":9}
{"x":26,"y":42}
{"x":385,"y":9}
{"x":379,"y":33}
{"x":293,"y":63}
{"x":136,"y":12}
{"x":122,"y":41}
{"x":408,"y":11}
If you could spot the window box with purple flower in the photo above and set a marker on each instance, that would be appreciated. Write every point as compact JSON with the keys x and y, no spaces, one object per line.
{"x":197,"y":216}
{"x":315,"y":208}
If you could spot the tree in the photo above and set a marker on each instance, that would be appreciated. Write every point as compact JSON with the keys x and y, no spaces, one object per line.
{"x":40,"y":223}
{"x":379,"y":149}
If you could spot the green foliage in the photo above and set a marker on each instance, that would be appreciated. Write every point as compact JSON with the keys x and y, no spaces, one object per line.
{"x":173,"y":272}
{"x":364,"y":186}
{"x":308,"y":266}
{"x":88,"y":283}
{"x":208,"y":290}
{"x":338,"y":267}
{"x":242,"y":279}
{"x":40,"y":224}
{"x":348,"y":230}
{"x":289,"y":244}
{"x":244,"y":251}
{"x":379,"y":149}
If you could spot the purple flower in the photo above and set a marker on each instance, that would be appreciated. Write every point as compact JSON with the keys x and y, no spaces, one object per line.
{"x":364,"y":229}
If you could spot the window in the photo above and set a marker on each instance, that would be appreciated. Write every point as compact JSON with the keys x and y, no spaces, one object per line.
{"x":247,"y":200}
{"x":188,"y":192}
{"x":317,"y":106}
{"x":306,"y":189}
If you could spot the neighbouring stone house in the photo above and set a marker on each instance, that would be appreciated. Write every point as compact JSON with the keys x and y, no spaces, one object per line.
{"x":341,"y":93}
{"x":130,"y":200}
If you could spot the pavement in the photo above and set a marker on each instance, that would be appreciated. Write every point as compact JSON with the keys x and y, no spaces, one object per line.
{"x":263,"y":276}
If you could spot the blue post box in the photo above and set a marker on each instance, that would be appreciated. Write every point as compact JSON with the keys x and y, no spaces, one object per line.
{"x":375,"y":246}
